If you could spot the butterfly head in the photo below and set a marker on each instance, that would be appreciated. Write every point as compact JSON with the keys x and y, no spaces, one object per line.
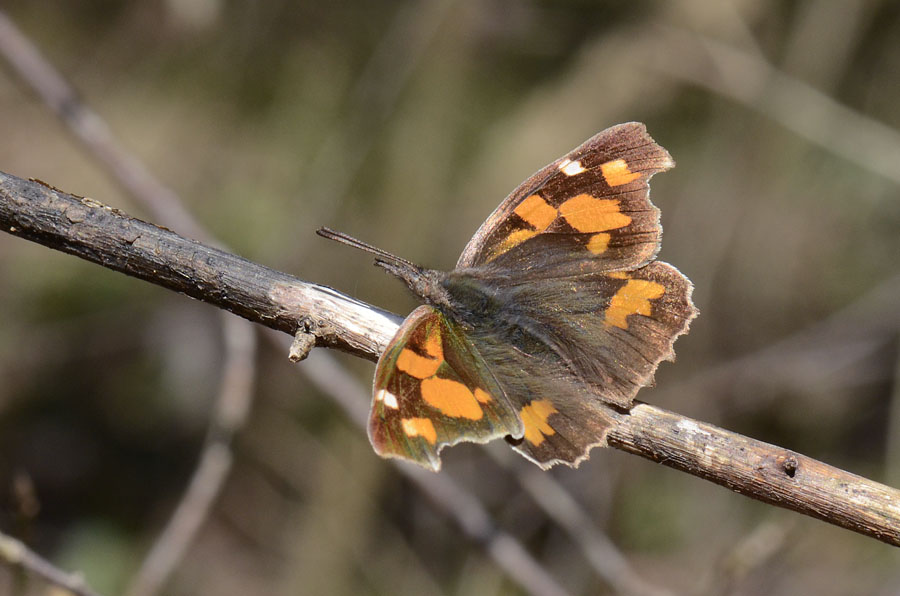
{"x":425,"y":283}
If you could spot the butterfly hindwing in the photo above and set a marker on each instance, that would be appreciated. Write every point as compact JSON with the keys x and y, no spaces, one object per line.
{"x":562,"y":428}
{"x":564,"y":350}
{"x":609,"y":329}
{"x":432,"y":390}
{"x":561,"y":416}
{"x":590,"y":205}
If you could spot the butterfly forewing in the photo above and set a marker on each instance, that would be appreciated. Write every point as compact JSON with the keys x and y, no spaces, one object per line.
{"x":590,"y":205}
{"x":432,"y":389}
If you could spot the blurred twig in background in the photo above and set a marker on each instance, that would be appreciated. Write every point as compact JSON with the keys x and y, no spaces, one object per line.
{"x":16,"y":554}
{"x":238,"y":369}
{"x":231,"y":410}
{"x":805,"y":111}
{"x":782,"y":119}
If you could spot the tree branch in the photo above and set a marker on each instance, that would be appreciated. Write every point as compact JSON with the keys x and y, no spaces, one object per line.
{"x":90,"y":230}
{"x":760,"y":470}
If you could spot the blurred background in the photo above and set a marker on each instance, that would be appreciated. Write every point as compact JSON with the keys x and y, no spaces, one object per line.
{"x":405,"y":123}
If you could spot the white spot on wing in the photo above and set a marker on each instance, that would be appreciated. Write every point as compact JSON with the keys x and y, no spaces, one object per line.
{"x":389,"y":399}
{"x":570,"y":168}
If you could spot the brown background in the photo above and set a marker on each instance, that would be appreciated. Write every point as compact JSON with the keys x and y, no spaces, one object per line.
{"x":405,"y":124}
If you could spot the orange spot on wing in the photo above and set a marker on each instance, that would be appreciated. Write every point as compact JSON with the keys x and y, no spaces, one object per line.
{"x":482,"y":396}
{"x":420,"y":367}
{"x":536,"y":212}
{"x":419,"y":427}
{"x":598,"y":243}
{"x":534,"y":417}
{"x":616,"y":172}
{"x":632,"y":299}
{"x":514,"y":239}
{"x":452,"y":398}
{"x":587,"y":214}
{"x":433,"y":346}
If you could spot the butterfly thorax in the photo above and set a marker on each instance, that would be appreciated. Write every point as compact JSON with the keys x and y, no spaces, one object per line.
{"x":428,"y":284}
{"x":464,"y":297}
{"x":473,"y":301}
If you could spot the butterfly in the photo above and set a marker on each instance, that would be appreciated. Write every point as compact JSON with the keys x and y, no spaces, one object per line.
{"x":556,"y":312}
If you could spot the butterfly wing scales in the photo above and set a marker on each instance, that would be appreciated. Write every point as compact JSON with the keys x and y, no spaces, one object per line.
{"x":610,"y":329}
{"x":570,"y":348}
{"x":591,"y":205}
{"x":433,"y":390}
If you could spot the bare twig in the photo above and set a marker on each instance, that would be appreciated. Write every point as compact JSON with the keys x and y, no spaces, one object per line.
{"x":14,"y":553}
{"x":92,"y":231}
{"x":97,"y":233}
{"x":236,"y":392}
{"x":765,"y":472}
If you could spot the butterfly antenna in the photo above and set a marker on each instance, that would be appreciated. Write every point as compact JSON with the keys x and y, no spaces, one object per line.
{"x":417,"y":279}
{"x":351,"y":241}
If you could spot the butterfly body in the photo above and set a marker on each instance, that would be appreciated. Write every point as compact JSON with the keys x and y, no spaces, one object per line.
{"x":555,"y":313}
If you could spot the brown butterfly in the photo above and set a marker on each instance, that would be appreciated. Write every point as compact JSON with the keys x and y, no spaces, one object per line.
{"x":555,"y":312}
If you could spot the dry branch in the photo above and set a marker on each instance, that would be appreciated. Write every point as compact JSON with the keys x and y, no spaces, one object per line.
{"x":88,"y":229}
